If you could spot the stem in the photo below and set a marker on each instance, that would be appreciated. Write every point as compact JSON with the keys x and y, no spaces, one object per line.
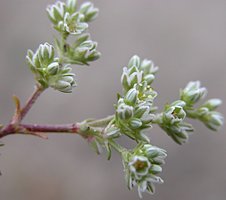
{"x":38,"y":130}
{"x":116,"y":146}
{"x":37,"y":92}
{"x":64,"y":128}
{"x":101,"y":122}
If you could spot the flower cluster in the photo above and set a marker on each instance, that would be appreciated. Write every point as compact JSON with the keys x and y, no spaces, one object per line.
{"x":68,"y":19}
{"x":81,"y":52}
{"x":48,"y":71}
{"x":192,"y":93}
{"x":206,"y":113}
{"x":138,"y":72}
{"x":172,"y":122}
{"x":142,"y":166}
{"x":134,"y":109}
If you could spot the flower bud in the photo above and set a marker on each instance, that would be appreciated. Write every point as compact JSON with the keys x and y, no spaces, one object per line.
{"x":178,"y":132}
{"x":94,"y":55}
{"x":112,"y":132}
{"x":148,"y":67}
{"x":45,"y":54}
{"x":89,"y":12}
{"x":135,"y":78}
{"x":81,"y":38}
{"x":125,"y":80}
{"x":149,"y":78}
{"x":141,"y":110}
{"x":156,"y":169}
{"x":134,"y":61}
{"x":56,"y":12}
{"x":131,"y":96}
{"x":52,"y":68}
{"x":192,"y":93}
{"x":124,"y":111}
{"x":71,"y":6}
{"x":173,"y":115}
{"x":135,"y":123}
{"x":213,"y":120}
{"x":212,"y":104}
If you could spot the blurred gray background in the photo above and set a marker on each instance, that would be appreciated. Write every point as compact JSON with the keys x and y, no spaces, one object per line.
{"x":186,"y":39}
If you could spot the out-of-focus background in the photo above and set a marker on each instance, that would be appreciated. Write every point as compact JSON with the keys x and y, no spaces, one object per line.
{"x":186,"y":39}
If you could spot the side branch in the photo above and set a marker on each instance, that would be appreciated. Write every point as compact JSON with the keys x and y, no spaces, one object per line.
{"x":31,"y":101}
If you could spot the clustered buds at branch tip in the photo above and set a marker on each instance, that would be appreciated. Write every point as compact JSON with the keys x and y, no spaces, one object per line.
{"x":135,"y":110}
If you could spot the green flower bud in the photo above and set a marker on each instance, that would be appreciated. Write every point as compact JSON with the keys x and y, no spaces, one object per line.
{"x":156,"y":169}
{"x":147,"y":118}
{"x":213,"y":120}
{"x":135,"y":123}
{"x":94,"y":55}
{"x":89,"y":12}
{"x":179,"y":132}
{"x":135,"y":78}
{"x":202,"y":111}
{"x":125,"y":80}
{"x":174,"y":115}
{"x":71,"y":6}
{"x":148,"y":67}
{"x":131,"y":96}
{"x":134,"y":61}
{"x":149,"y":78}
{"x":63,"y":86}
{"x":63,"y":80}
{"x":178,"y":103}
{"x":33,"y":61}
{"x":86,"y":52}
{"x":124,"y":111}
{"x":130,"y":77}
{"x":53,"y":68}
{"x":192,"y":93}
{"x":212,"y":104}
{"x":112,"y":132}
{"x":80,"y":39}
{"x":56,"y":12}
{"x":156,"y":154}
{"x":141,"y":110}
{"x":45,"y":54}
{"x":69,"y":79}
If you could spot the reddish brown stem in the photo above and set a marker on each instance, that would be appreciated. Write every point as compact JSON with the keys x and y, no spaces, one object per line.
{"x":32,"y":129}
{"x":31,"y":101}
{"x":67,"y":128}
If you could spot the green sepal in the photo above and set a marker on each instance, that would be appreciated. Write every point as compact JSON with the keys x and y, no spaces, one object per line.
{"x":108,"y":149}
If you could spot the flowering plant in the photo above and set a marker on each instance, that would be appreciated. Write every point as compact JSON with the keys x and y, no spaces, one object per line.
{"x":135,"y":110}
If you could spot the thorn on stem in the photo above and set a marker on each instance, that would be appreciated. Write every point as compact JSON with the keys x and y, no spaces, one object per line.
{"x":17,"y":114}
